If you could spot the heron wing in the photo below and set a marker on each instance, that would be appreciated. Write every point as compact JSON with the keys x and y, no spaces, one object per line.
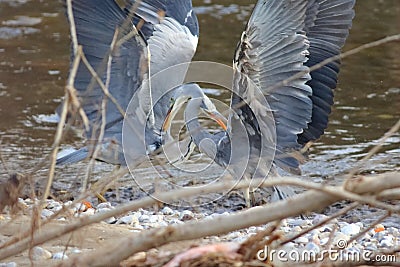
{"x":272,"y":49}
{"x":96,"y":23}
{"x":327,"y":26}
{"x":171,"y":30}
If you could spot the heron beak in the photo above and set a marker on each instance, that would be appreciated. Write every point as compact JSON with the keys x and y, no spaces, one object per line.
{"x":173,"y":110}
{"x":214,"y":115}
{"x":168,"y":119}
{"x":218,"y":118}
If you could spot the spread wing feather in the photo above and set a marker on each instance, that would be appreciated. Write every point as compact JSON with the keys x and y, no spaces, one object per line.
{"x":272,"y":49}
{"x":327,"y":26}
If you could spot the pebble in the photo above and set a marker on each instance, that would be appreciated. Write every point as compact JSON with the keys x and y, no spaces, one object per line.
{"x":79,"y":207}
{"x":297,"y":222}
{"x":39,"y":253}
{"x":8,"y":264}
{"x":155,"y":218}
{"x":76,"y":251}
{"x":297,"y":229}
{"x":350,"y":229}
{"x":387,"y":242}
{"x":312,"y":247}
{"x":46,"y":213}
{"x":319,"y":218}
{"x":110,"y":220}
{"x":167,"y":211}
{"x":105,"y":205}
{"x":90,"y":211}
{"x":324,"y":241}
{"x":186,"y":215}
{"x":302,"y":239}
{"x":144,"y":218}
{"x":129,"y":219}
{"x":60,"y":256}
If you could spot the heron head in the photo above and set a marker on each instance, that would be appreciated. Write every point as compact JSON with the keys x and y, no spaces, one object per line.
{"x":186,"y":93}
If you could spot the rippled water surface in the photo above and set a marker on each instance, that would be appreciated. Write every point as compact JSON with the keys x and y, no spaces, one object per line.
{"x":34,"y":60}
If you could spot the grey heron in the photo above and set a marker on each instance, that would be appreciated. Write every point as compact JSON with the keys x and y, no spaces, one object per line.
{"x":167,"y":35}
{"x":282,"y":38}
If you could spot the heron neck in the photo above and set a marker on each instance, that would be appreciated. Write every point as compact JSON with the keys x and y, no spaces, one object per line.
{"x":201,"y":137}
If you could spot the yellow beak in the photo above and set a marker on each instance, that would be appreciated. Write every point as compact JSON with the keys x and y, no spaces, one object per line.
{"x":215,"y":115}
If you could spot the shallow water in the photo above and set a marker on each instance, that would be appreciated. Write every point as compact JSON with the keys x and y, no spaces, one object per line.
{"x":34,"y":60}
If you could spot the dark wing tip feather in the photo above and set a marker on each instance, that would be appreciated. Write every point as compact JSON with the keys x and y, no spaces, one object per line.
{"x":327,"y":26}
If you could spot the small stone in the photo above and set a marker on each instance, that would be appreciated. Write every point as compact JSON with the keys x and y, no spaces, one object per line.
{"x":297,"y":229}
{"x":103,"y":210}
{"x":138,"y":227}
{"x":379,"y":228}
{"x":144,"y":218}
{"x":326,"y":229}
{"x":105,"y":205}
{"x":8,"y":264}
{"x":350,"y":229}
{"x":319,"y":218}
{"x":60,"y":256}
{"x":51,"y":204}
{"x":301,"y":239}
{"x":312,"y":247}
{"x":154,"y":218}
{"x":393,"y":231}
{"x":76,"y":251}
{"x":175,"y":221}
{"x":297,"y":222}
{"x":289,"y":246}
{"x":129,"y":219}
{"x":360,"y":224}
{"x":110,"y":220}
{"x":380,"y":235}
{"x":387,"y":241}
{"x":324,"y":241}
{"x":46,"y":213}
{"x":167,"y":211}
{"x":39,"y":253}
{"x":252,"y":229}
{"x":186,"y":215}
{"x":80,"y":207}
{"x":163,"y":224}
{"x":90,"y":211}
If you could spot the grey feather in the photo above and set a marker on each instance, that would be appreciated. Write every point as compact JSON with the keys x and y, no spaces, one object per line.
{"x":327,"y":27}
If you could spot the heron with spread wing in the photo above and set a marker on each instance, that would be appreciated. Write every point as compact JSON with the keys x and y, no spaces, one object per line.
{"x":282,"y":40}
{"x":125,"y":47}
